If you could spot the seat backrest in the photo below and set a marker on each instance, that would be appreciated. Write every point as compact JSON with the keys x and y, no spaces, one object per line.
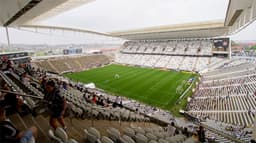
{"x":171,"y":139}
{"x":190,"y":140}
{"x":114,"y":130}
{"x":51,"y":134}
{"x":163,"y":141}
{"x":129,"y":131}
{"x":128,"y":139}
{"x":91,"y":138}
{"x":149,"y":130}
{"x":151,"y":136}
{"x":94,"y":131}
{"x":139,"y":130}
{"x":105,"y":139}
{"x":60,"y":133}
{"x":122,"y":140}
{"x":159,"y":135}
{"x":152,"y":141}
{"x":114,"y":134}
{"x":72,"y":141}
{"x":141,"y":138}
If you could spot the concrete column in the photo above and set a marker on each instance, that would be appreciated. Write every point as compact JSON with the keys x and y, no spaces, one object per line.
{"x":230,"y":50}
{"x":8,"y":38}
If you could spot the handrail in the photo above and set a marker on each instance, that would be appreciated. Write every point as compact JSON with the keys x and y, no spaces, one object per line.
{"x":221,"y":133}
{"x":17,"y":93}
{"x":186,"y":91}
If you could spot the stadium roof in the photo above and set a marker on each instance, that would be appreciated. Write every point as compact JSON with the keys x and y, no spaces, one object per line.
{"x":240,"y":13}
{"x":188,"y":30}
{"x":21,"y":12}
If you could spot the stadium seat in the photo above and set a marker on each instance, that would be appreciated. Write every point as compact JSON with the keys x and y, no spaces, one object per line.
{"x":162,"y":141}
{"x":127,"y":139}
{"x":141,"y":138}
{"x":129,"y":132}
{"x":60,"y":133}
{"x":72,"y":141}
{"x":113,"y":134}
{"x":92,"y":135}
{"x":151,"y":136}
{"x":52,"y":136}
{"x":153,"y":141}
{"x":105,"y":139}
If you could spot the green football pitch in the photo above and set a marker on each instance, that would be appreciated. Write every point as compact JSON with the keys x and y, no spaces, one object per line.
{"x":151,"y":86}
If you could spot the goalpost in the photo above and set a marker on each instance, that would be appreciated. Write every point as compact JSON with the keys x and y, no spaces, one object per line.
{"x":180,"y":88}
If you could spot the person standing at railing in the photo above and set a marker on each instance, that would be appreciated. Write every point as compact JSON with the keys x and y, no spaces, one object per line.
{"x":13,"y":101}
{"x":56,"y":104}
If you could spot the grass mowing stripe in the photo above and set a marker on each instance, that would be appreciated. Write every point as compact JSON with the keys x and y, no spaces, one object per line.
{"x":128,"y":76}
{"x":140,"y":79}
{"x":151,"y":86}
{"x":109,"y":76}
{"x":125,"y":76}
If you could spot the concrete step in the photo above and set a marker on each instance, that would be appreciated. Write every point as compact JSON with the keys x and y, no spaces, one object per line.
{"x":17,"y":121}
{"x":42,"y":135}
{"x":103,"y":125}
{"x":73,"y":131}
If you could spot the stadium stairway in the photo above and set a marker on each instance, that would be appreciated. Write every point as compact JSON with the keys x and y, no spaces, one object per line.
{"x":52,"y":66}
{"x":80,"y":65}
{"x":23,"y":123}
{"x":180,"y":64}
{"x":194,"y":67}
{"x":75,"y":126}
{"x":213,"y":64}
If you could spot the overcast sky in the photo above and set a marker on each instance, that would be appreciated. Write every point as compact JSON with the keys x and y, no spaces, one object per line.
{"x":118,"y":15}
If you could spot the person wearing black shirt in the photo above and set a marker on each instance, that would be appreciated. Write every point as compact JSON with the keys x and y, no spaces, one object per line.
{"x":10,"y":134}
{"x":185,"y":132}
{"x":11,"y":100}
{"x":56,"y":104}
{"x":201,"y":134}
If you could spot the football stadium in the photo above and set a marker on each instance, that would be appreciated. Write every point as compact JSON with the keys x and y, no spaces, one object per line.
{"x":127,"y":71}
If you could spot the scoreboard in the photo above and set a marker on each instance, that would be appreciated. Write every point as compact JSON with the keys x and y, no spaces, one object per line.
{"x":72,"y":51}
{"x":221,"y":44}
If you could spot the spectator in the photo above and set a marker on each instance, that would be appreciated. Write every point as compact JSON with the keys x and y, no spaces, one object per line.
{"x":11,"y":100}
{"x":108,"y":101}
{"x":176,"y":132}
{"x":94,"y":99}
{"x":101,"y":102}
{"x":88,"y":98}
{"x":117,"y":101}
{"x":56,"y":104}
{"x":185,"y":132}
{"x":201,"y":134}
{"x":121,"y":103}
{"x":64,"y":85}
{"x":24,"y":78}
{"x":43,"y":82}
{"x":10,"y":134}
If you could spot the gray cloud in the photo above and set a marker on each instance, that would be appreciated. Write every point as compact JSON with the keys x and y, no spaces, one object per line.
{"x":115,"y":15}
